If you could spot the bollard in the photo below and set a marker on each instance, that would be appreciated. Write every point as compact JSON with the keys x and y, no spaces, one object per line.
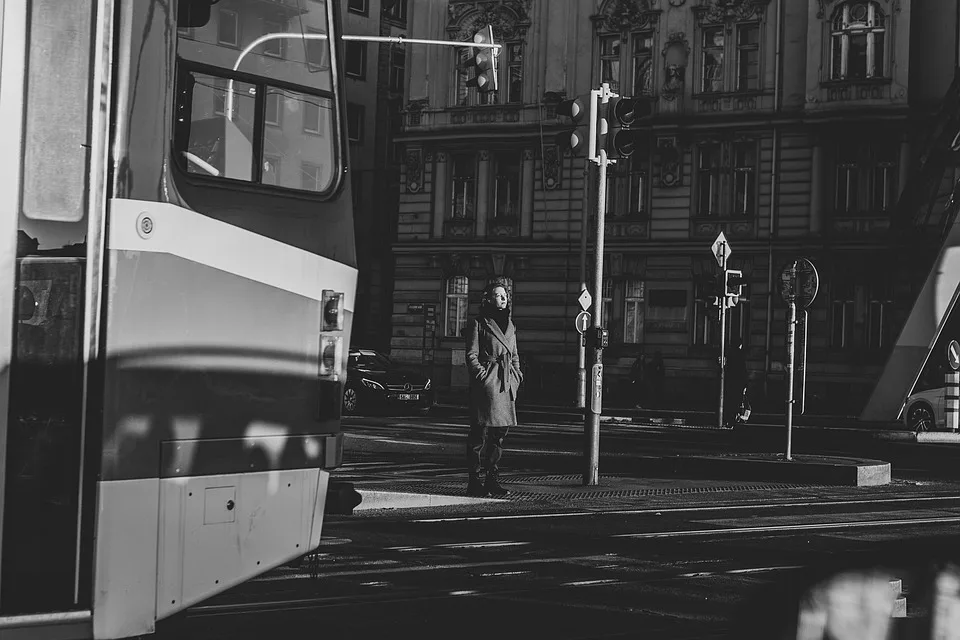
{"x":951,"y":401}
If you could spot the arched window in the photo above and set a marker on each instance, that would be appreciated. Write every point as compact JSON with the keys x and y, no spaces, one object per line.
{"x":456,"y":305}
{"x":858,"y":41}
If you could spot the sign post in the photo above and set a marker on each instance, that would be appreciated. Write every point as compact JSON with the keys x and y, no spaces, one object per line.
{"x":721,"y":251}
{"x":799,"y":283}
{"x":951,"y":397}
{"x":585,"y":301}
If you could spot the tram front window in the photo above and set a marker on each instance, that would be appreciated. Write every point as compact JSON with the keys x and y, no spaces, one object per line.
{"x":256,"y":99}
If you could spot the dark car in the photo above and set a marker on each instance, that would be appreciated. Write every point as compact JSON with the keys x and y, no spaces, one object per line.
{"x":376,"y":382}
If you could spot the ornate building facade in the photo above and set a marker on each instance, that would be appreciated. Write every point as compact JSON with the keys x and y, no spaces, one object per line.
{"x":789,"y":126}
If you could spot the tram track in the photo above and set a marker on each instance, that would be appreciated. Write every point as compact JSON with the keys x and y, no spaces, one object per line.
{"x":512,"y":567}
{"x":319,"y":602}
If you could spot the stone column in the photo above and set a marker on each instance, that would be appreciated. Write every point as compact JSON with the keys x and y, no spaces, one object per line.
{"x":440,"y":199}
{"x":526,"y":195}
{"x":483,"y":193}
{"x":816,"y":188}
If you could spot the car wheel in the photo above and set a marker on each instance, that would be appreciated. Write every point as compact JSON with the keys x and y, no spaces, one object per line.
{"x":350,"y":400}
{"x":920,"y":418}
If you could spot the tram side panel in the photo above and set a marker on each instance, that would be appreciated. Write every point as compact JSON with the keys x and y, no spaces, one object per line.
{"x":222,"y":383}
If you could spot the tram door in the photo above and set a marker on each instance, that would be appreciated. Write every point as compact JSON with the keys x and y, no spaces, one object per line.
{"x":47,"y":109}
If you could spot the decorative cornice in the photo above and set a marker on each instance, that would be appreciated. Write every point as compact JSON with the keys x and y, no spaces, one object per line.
{"x":719,"y":11}
{"x":626,"y":15}
{"x":510,"y":18}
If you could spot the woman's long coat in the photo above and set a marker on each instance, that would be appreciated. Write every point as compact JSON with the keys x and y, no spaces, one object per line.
{"x":494,"y":368}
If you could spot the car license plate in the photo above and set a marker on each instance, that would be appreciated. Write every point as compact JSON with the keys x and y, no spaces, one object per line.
{"x":409,"y":396}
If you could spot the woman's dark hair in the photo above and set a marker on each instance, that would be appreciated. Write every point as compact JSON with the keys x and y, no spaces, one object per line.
{"x":486,"y":299}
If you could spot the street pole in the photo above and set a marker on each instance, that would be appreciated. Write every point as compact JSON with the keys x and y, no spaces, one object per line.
{"x":791,"y":333}
{"x":722,"y":299}
{"x":591,"y":475}
{"x":584,"y":235}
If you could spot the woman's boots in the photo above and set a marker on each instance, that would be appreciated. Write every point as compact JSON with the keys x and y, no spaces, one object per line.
{"x":475,"y":486}
{"x":479,"y":489}
{"x":492,"y":484}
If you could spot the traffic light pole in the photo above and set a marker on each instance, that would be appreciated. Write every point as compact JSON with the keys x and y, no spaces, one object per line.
{"x":591,"y":474}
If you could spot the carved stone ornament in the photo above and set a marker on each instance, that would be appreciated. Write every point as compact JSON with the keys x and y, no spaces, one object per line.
{"x":510,"y":18}
{"x":626,"y":15}
{"x":671,"y":161}
{"x":676,"y":55}
{"x":551,"y":166}
{"x":718,"y":11}
{"x":824,"y":6}
{"x":414,"y":170}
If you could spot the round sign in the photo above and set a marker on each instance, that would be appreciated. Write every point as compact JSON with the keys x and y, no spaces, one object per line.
{"x":799,"y":282}
{"x":953,"y":354}
{"x":583,"y":321}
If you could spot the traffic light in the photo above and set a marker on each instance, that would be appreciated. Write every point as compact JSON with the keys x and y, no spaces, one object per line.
{"x":483,"y":62}
{"x":733,"y":285}
{"x":576,"y":137}
{"x":626,"y":111}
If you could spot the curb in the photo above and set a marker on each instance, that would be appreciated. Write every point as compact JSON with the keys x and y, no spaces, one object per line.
{"x":374,"y":500}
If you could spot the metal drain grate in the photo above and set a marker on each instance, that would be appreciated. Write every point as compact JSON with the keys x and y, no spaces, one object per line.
{"x":576,"y":493}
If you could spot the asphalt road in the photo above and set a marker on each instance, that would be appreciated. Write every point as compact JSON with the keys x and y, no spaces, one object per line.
{"x":657,"y":565}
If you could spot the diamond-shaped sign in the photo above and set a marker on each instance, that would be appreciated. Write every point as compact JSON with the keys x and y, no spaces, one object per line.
{"x":721,"y":249}
{"x":585,"y":299}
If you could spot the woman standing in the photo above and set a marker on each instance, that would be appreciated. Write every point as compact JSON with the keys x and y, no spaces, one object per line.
{"x":495,"y":376}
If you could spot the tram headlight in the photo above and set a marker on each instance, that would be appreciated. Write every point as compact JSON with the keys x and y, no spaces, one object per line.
{"x":331,"y":356}
{"x":332,"y":309}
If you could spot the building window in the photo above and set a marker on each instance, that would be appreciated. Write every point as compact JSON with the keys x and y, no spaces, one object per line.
{"x":860,"y":317}
{"x":273,"y":108}
{"x":706,"y":316}
{"x":468,"y":96}
{"x":311,"y":176}
{"x":220,"y":96}
{"x":228,"y":28}
{"x":312,"y":114}
{"x":277,"y":46}
{"x":712,"y":60}
{"x":642,"y":44}
{"x":744,"y":178}
{"x":514,"y":88}
{"x":633,"y":311}
{"x":357,"y":6}
{"x":727,"y":179}
{"x":708,"y":180}
{"x":318,"y":52}
{"x":717,"y":50}
{"x":610,"y":61}
{"x":628,"y":185}
{"x":866,"y":178}
{"x":355,"y":59}
{"x":631,"y":54}
{"x":271,"y":169}
{"x":606,"y":308}
{"x":748,"y":57}
{"x":456,"y":304}
{"x":355,"y":117}
{"x":464,"y":187}
{"x":395,"y":10}
{"x":507,"y":184}
{"x":738,"y":323}
{"x":398,"y":63}
{"x":857,"y":42}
